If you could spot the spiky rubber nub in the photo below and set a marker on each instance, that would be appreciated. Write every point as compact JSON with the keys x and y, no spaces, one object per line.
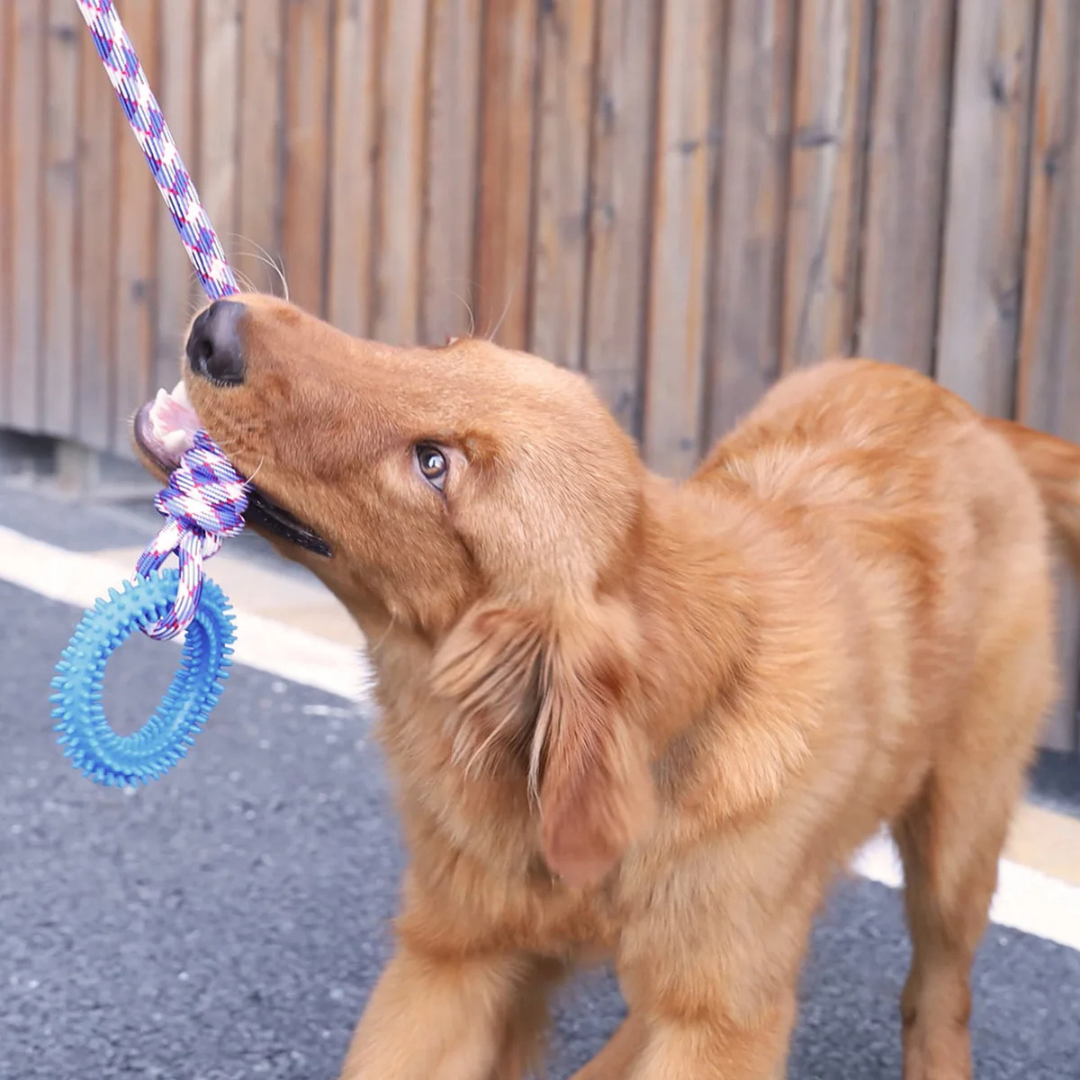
{"x":85,"y":734}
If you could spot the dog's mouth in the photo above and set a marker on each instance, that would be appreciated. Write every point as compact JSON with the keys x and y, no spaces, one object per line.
{"x":166,"y":427}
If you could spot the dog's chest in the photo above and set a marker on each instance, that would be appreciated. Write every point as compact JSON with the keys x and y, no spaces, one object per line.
{"x":543,"y":916}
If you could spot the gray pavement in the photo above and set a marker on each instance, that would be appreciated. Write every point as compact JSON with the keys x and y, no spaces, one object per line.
{"x":228,"y":921}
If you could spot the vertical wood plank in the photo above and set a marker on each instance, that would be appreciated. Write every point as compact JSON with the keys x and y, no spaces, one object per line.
{"x":259,"y":169}
{"x":178,"y":291}
{"x":623,"y":126}
{"x":401,"y":170}
{"x":1048,"y":385}
{"x":906,"y":176}
{"x":136,"y":248}
{"x":1049,"y":315}
{"x":828,"y":129}
{"x":984,"y":219}
{"x":352,"y":155}
{"x":100,"y":122}
{"x":560,"y":247}
{"x":506,"y":171}
{"x":60,"y":193}
{"x":307,"y":95}
{"x":219,"y":114}
{"x":753,"y":199}
{"x":678,"y":286}
{"x":27,"y":151}
{"x":446,"y":301}
{"x":7,"y":180}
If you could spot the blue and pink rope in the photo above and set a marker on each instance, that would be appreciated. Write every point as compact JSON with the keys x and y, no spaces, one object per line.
{"x":204,"y":502}
{"x":147,"y":122}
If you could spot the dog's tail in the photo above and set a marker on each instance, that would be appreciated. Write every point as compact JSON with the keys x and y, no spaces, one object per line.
{"x":1054,"y":465}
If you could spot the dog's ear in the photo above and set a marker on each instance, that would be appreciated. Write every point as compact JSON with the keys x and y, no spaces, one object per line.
{"x":590,"y":759}
{"x":563,"y":688}
{"x":489,"y":666}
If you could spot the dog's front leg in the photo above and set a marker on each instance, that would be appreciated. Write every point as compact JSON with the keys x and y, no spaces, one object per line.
{"x":436,"y":1018}
{"x":712,"y":1046}
{"x":714,"y":984}
{"x":619,"y":1054}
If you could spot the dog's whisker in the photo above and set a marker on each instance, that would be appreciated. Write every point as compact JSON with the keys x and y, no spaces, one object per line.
{"x":251,"y":478}
{"x":381,"y":639}
{"x":260,"y":254}
{"x":468,"y":308}
{"x":246,"y":284}
{"x":502,"y":317}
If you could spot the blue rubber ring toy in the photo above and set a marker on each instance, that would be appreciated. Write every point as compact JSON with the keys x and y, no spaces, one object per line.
{"x":127,"y":760}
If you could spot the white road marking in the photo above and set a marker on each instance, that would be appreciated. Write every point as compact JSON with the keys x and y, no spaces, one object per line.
{"x":1026,"y":899}
{"x":78,"y":578}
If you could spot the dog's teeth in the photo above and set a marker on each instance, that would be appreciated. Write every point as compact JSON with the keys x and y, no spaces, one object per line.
{"x":160,"y":398}
{"x":176,"y":442}
{"x":180,"y":395}
{"x":173,"y":420}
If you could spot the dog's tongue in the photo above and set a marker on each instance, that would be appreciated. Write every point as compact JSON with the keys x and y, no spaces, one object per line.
{"x":173,"y":420}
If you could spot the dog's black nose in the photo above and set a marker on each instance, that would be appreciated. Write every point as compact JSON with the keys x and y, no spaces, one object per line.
{"x":214,"y":347}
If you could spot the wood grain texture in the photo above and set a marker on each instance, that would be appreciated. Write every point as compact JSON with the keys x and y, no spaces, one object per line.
{"x":140,"y":213}
{"x":749,"y":231}
{"x":7,"y":184}
{"x":623,"y":151}
{"x":906,"y":177}
{"x":352,"y":150}
{"x":260,"y":144}
{"x":503,"y":223}
{"x":1048,"y":384}
{"x":561,"y":241}
{"x":674,"y":377}
{"x":100,"y":120}
{"x":453,"y":102}
{"x":984,"y":220}
{"x":402,"y":117}
{"x":178,"y":290}
{"x":307,"y":99}
{"x":61,"y":225}
{"x":828,"y":133}
{"x":606,"y":178}
{"x":219,"y":116}
{"x":27,"y":148}
{"x":1048,"y":378}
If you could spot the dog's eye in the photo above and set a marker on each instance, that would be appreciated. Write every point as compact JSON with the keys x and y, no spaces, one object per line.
{"x":432,"y":464}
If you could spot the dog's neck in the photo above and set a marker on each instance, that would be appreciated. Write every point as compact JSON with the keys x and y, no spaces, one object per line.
{"x":729,"y":597}
{"x":711,"y":579}
{"x":713,"y":583}
{"x":697,"y":594}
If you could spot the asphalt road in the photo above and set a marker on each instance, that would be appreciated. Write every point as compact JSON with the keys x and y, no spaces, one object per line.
{"x":228,"y":921}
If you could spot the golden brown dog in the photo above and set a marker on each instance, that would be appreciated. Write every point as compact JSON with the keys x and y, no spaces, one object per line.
{"x":651,"y":721}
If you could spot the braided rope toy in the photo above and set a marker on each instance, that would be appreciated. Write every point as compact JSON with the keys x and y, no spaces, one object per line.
{"x":204,"y":502}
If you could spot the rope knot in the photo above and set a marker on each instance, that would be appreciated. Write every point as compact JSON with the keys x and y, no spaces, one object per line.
{"x":205,"y":494}
{"x":204,"y":502}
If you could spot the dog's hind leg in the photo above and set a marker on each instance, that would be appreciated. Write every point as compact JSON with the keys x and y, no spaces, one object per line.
{"x":947,"y":912}
{"x":950,"y":840}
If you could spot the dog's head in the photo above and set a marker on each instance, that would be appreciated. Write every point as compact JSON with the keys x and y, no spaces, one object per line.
{"x":483,"y":499}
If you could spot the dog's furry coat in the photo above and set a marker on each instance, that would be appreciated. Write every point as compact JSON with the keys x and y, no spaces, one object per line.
{"x":651,"y":721}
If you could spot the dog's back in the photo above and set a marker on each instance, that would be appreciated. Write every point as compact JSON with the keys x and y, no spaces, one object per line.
{"x":938,"y":519}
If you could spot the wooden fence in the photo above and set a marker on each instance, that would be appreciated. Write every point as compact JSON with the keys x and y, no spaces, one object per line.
{"x":684,"y":198}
